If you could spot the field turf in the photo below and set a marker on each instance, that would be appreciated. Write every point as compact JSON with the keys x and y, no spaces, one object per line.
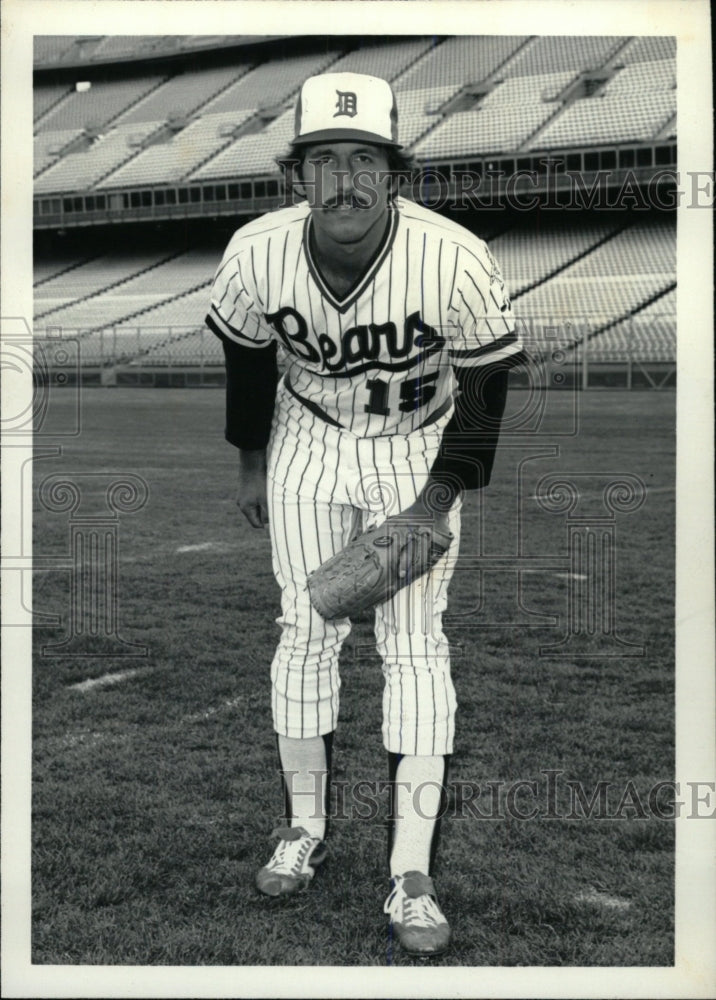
{"x":154,"y":796}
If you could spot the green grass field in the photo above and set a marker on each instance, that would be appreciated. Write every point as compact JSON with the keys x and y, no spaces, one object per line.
{"x":154,"y":796}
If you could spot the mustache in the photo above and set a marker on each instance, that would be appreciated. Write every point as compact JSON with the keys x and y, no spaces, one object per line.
{"x":343,"y":201}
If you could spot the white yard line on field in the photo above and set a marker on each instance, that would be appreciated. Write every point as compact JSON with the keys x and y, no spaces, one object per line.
{"x":558,"y":576}
{"x":207,"y":547}
{"x":602,"y":899}
{"x":106,"y":680}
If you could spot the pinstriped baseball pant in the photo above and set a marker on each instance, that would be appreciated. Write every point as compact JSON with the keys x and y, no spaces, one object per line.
{"x":325,"y":485}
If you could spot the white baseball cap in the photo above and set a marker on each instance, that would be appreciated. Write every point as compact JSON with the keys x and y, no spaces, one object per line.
{"x":349,"y":107}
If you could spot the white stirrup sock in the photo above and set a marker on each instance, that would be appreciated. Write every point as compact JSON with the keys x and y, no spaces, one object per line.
{"x":305,"y":771}
{"x":418,"y":794}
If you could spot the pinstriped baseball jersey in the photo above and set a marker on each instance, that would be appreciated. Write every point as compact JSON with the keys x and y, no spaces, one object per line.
{"x":378,"y":361}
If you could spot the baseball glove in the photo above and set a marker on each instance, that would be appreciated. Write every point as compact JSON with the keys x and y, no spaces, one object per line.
{"x":375,"y":566}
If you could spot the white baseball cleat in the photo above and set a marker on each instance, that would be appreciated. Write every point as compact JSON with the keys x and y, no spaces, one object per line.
{"x":415,"y":913}
{"x":293,"y":863}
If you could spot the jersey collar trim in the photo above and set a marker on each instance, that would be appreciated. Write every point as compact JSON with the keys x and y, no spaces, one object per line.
{"x":341,"y":305}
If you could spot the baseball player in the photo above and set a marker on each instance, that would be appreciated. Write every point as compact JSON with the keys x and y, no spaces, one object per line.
{"x":398,"y":333}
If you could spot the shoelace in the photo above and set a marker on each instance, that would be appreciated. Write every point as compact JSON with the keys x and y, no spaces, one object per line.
{"x":289,"y":856}
{"x":419,"y":911}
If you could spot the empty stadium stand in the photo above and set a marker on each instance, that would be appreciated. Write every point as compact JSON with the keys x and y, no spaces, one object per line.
{"x":51,"y":51}
{"x":648,"y":48}
{"x":250,"y":154}
{"x":99,"y":105}
{"x":271,"y":83}
{"x":640,"y":249}
{"x":459,"y":61}
{"x":528,"y":89}
{"x":648,"y":335}
{"x":48,"y":147}
{"x":543,"y":54}
{"x":383,"y":59}
{"x":181,"y":153}
{"x":186,"y":310}
{"x":418,"y":110}
{"x":106,"y":291}
{"x":44,"y":97}
{"x":45,"y":269}
{"x":650,"y":77}
{"x":620,"y":276}
{"x":594,"y":120}
{"x":458,"y":98}
{"x":485,"y":130}
{"x":183,"y":94}
{"x":90,"y":278}
{"x":49,"y":48}
{"x":193,"y":348}
{"x":528,"y":256}
{"x":86,"y":168}
{"x":134,"y":45}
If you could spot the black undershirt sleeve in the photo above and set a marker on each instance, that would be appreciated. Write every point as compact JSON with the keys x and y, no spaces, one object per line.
{"x":251,"y":378}
{"x":467,"y":451}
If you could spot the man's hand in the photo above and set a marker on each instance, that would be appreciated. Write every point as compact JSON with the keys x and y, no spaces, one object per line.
{"x":422,"y":513}
{"x":432,"y":505}
{"x":251,"y":496}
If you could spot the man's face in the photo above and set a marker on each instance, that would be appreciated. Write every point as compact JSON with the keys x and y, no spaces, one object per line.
{"x":347,"y":185}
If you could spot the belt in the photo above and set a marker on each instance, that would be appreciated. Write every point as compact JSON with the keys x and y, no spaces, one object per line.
{"x":315,"y":409}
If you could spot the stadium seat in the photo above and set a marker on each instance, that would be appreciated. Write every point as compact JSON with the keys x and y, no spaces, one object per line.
{"x":548,"y":53}
{"x":92,"y":277}
{"x":527,"y":256}
{"x":483,"y":130}
{"x":45,"y":269}
{"x":268,"y":85}
{"x":519,"y":90}
{"x":459,"y":61}
{"x":80,"y":171}
{"x":175,"y":159}
{"x":50,"y":48}
{"x":383,"y":59}
{"x":643,"y":337}
{"x":185,"y":311}
{"x":619,"y":277}
{"x":417,"y":110}
{"x":44,"y":97}
{"x":592,"y":120}
{"x":251,"y":154}
{"x":635,"y":79}
{"x":647,"y":48}
{"x":644,"y":248}
{"x":112,"y":288}
{"x":100,"y":105}
{"x":183,"y":94}
{"x":48,"y":147}
{"x":130,"y":45}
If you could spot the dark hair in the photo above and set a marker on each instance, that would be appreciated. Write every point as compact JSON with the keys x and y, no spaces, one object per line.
{"x":400,"y":163}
